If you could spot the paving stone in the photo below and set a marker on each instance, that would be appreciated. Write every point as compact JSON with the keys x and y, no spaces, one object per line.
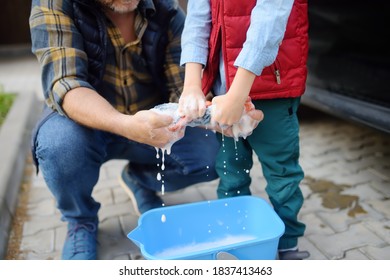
{"x":104,"y":173}
{"x":112,"y":243}
{"x":41,"y":256}
{"x":354,"y":178}
{"x":107,"y":183}
{"x":120,"y":196}
{"x":39,"y":194}
{"x":380,"y":228}
{"x":41,"y":242}
{"x":307,"y":163}
{"x":364,"y":192}
{"x":340,"y":220}
{"x":315,"y":225}
{"x":122,"y":257}
{"x":312,"y":203}
{"x":306,"y":245}
{"x":37,"y":224}
{"x":128,"y":222}
{"x":114,"y":210}
{"x":319,"y":172}
{"x":382,"y":206}
{"x":103,"y":196}
{"x":377,"y":253}
{"x":258,"y":185}
{"x":335,"y":245}
{"x":337,"y":220}
{"x":114,"y":168}
{"x":38,"y":182}
{"x":383,"y":187}
{"x":355,"y":254}
{"x":208,"y":191}
{"x":326,"y":154}
{"x":351,"y":168}
{"x":380,"y":171}
{"x":306,"y":192}
{"x":262,"y":195}
{"x":110,"y":228}
{"x":60,"y":236}
{"x":188,"y":195}
{"x":45,"y":207}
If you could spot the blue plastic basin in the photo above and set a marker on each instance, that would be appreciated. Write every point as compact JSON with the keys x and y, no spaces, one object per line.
{"x":243,"y":227}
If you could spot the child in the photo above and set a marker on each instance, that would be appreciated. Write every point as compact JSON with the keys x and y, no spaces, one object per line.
{"x":236,"y":49}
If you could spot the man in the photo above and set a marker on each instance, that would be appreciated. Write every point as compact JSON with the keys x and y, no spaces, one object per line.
{"x":104,"y":64}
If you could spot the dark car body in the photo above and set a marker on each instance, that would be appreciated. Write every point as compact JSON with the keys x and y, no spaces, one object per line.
{"x":349,"y":60}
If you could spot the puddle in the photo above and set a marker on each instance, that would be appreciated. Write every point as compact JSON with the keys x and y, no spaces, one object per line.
{"x":332,"y":197}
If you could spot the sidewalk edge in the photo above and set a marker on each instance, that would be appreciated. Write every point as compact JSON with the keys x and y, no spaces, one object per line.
{"x":15,"y":143}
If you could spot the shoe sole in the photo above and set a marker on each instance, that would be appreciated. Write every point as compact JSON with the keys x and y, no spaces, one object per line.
{"x":131,"y":195}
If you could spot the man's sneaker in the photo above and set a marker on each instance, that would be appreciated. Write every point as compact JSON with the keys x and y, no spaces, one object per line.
{"x":142,"y":199}
{"x":293,"y":255}
{"x":80,"y":243}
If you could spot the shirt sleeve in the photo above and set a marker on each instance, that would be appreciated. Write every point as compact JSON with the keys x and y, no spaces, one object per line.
{"x":196,"y":32}
{"x":58,"y":46}
{"x":265,"y":33}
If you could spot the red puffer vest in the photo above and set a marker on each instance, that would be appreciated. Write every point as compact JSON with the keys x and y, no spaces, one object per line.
{"x":286,"y":77}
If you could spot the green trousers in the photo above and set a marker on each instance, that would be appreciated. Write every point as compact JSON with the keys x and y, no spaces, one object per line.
{"x":275,"y":141}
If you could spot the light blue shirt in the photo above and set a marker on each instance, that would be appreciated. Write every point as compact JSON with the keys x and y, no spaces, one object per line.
{"x":264,"y":35}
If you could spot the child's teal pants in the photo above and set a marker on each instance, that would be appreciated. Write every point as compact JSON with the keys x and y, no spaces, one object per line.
{"x":276,"y":143}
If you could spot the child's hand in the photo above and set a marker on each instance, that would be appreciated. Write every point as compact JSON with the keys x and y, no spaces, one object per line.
{"x":245,"y":126}
{"x":192,"y":103}
{"x":227,"y":110}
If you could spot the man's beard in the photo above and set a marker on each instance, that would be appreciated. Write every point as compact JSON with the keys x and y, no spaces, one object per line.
{"x":121,"y":6}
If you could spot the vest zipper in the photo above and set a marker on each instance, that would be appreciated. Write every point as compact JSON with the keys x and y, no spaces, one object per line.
{"x":277,"y":72}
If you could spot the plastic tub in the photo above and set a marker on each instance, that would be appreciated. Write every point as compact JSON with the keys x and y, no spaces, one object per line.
{"x":243,"y":227}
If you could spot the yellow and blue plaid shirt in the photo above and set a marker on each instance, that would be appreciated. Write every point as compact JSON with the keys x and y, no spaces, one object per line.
{"x":128,"y":84}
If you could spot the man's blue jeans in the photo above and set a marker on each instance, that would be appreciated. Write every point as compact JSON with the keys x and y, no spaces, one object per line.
{"x":70,"y":156}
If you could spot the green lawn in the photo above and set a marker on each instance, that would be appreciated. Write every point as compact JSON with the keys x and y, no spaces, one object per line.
{"x":6,"y":100}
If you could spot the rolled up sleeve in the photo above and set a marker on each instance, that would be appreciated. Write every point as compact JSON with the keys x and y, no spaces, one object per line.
{"x":58,"y":46}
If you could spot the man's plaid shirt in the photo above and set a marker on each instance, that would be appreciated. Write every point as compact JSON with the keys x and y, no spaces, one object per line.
{"x":129,"y":86}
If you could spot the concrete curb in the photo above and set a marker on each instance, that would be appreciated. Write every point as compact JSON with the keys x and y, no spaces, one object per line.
{"x":14,"y":144}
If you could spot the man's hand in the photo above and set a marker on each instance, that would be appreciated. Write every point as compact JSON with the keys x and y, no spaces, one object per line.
{"x":151,"y":128}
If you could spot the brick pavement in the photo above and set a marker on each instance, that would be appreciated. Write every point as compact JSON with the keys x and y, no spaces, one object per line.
{"x":346,"y":189}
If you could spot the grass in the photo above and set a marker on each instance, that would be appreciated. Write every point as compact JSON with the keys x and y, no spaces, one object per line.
{"x":6,"y":101}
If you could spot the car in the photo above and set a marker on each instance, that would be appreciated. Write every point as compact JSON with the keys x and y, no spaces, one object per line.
{"x":349,"y":61}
